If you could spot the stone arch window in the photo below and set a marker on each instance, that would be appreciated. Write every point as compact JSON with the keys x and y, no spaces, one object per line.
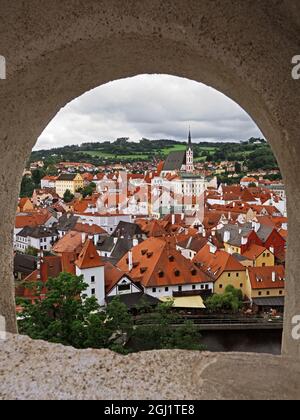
{"x":69,"y":50}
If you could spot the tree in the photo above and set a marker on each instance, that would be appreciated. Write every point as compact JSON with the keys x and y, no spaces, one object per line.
{"x":68,"y":317}
{"x":159,"y":330}
{"x":238,"y":167}
{"x":68,"y":196}
{"x":27,"y":187}
{"x":231,"y":300}
{"x":52,"y":170}
{"x":88,"y":190}
{"x":32,"y":251}
{"x":37,"y":175}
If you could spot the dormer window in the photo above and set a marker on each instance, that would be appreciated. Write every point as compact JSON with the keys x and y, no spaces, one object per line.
{"x":171,"y":258}
{"x":177,"y":273}
{"x":149,"y":254}
{"x":193,"y":271}
{"x":144,"y":251}
{"x":143,"y":270}
{"x":161,"y":274}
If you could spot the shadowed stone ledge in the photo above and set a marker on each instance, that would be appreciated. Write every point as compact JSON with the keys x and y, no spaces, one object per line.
{"x":39,"y":370}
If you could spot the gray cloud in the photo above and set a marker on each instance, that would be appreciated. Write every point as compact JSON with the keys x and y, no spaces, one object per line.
{"x":151,"y":106}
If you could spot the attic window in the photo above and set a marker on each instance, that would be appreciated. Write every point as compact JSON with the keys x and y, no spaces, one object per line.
{"x":161,"y":274}
{"x":193,"y":271}
{"x":171,"y":258}
{"x":177,"y":273}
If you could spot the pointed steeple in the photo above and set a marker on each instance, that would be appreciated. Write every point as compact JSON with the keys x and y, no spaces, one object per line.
{"x":189,"y":154}
{"x":190,"y":137}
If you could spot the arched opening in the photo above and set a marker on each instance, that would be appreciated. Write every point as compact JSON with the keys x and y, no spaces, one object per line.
{"x":224,"y":152}
{"x":99,"y":45}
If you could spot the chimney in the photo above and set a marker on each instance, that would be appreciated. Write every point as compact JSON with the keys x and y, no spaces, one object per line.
{"x":226,"y":236}
{"x":130,"y":263}
{"x":272,"y":249}
{"x":212,"y":249}
{"x":83,"y":238}
{"x":273,"y":276}
{"x":244,"y":240}
{"x":135,"y":242}
{"x":173,"y":219}
{"x":203,"y":233}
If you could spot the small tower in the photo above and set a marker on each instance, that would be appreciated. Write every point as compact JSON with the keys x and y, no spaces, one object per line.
{"x":90,"y":265}
{"x":189,"y":167}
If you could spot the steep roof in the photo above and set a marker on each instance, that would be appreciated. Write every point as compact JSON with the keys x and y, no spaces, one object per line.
{"x":71,"y":242}
{"x":67,"y":221}
{"x":218,"y":262}
{"x":127,"y":229}
{"x":175,"y":160}
{"x":90,"y":229}
{"x":156,"y":263}
{"x":89,"y":257}
{"x":254,"y":251}
{"x":112,"y":276}
{"x":261,"y":277}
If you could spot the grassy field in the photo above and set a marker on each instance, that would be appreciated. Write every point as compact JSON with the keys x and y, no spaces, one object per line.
{"x":164,"y":152}
{"x":103,"y":155}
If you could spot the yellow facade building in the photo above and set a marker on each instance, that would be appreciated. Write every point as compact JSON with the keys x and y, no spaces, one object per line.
{"x":71,"y":182}
{"x":226,"y":269}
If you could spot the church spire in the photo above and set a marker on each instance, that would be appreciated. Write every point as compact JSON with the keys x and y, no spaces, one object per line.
{"x":189,"y":158}
{"x":190,"y":137}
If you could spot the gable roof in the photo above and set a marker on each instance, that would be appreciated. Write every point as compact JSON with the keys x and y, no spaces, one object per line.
{"x":175,"y":160}
{"x":254,"y":251}
{"x":156,"y":263}
{"x":89,"y":257}
{"x":218,"y":262}
{"x":127,"y":229}
{"x":70,"y":242}
{"x":113,"y":275}
{"x":261,"y":277}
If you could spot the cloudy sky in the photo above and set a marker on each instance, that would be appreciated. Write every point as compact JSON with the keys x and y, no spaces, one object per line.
{"x":150,"y":106}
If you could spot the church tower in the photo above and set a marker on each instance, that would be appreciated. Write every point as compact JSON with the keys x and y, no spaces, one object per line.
{"x":189,"y":167}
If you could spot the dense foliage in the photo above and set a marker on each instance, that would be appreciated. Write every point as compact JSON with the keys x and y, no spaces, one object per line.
{"x":230,"y":301}
{"x":67,"y":316}
{"x":255,"y":153}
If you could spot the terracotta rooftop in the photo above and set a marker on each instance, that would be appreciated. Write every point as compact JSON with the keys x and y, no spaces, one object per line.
{"x":254,"y":251}
{"x":157,"y":263}
{"x":89,"y":257}
{"x":261,"y":277}
{"x":217,"y":262}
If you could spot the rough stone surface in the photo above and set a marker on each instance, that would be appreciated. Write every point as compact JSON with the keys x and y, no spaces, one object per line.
{"x":57,"y":50}
{"x":37,"y":370}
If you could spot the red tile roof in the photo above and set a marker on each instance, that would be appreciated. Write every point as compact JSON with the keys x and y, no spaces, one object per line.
{"x":157,"y":263}
{"x":254,"y":251}
{"x":218,"y":262}
{"x":261,"y":277}
{"x":89,"y":257}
